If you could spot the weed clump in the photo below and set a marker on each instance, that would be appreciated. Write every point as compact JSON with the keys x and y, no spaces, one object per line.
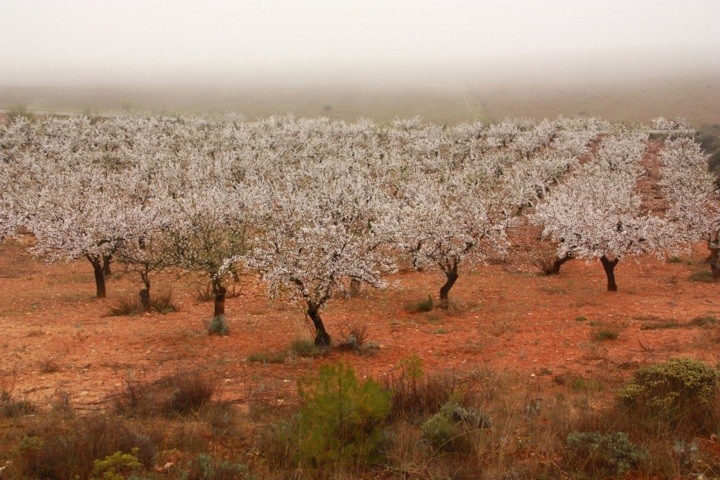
{"x":10,"y":407}
{"x":421,"y":306}
{"x":131,"y":305}
{"x":356,"y":340}
{"x":218,"y":326}
{"x":604,"y":335}
{"x":415,"y":395}
{"x":267,"y":357}
{"x":305,"y":348}
{"x":205,"y":467}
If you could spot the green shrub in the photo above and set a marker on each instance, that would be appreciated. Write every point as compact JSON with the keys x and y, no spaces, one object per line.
{"x":678,"y":390}
{"x":605,"y":454}
{"x":218,"y":326}
{"x":115,"y":466}
{"x":340,"y":418}
{"x":450,"y":429}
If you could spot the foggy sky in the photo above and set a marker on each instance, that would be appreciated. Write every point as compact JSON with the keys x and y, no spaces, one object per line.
{"x":126,"y":41}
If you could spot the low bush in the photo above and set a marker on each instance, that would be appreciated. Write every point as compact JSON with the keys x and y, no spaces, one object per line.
{"x":452,"y":428}
{"x":604,"y":455}
{"x":57,"y":449}
{"x":179,"y":394}
{"x":355,"y":336}
{"x":679,"y":391}
{"x":49,"y":365}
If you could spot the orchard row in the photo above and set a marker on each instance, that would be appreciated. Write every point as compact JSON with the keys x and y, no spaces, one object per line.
{"x":315,"y":205}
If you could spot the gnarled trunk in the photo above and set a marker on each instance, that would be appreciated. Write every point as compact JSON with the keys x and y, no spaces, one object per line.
{"x":322,"y":339}
{"x":99,"y":277}
{"x":555,"y":270}
{"x":452,"y":276}
{"x":609,"y":266}
{"x":220,"y":292}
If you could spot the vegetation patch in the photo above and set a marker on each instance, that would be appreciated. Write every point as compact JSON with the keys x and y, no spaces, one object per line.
{"x":339,"y":421}
{"x":604,"y":454}
{"x":680,"y":391}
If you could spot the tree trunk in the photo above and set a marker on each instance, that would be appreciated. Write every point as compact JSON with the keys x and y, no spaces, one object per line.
{"x":145,"y":292}
{"x":99,"y":277}
{"x":714,"y":261}
{"x":452,"y":276}
{"x":609,"y":266}
{"x":219,"y":292}
{"x":322,"y":339}
{"x":145,"y":299}
{"x":555,"y":270}
{"x":106,"y":266}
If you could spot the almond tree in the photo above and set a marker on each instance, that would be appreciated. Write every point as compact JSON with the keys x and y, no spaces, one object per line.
{"x":320,"y":227}
{"x":448,"y":218}
{"x":206,"y":231}
{"x":595,"y":214}
{"x":688,"y":187}
{"x":79,"y":215}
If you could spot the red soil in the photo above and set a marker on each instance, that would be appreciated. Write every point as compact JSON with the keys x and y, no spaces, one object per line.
{"x":510,"y":320}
